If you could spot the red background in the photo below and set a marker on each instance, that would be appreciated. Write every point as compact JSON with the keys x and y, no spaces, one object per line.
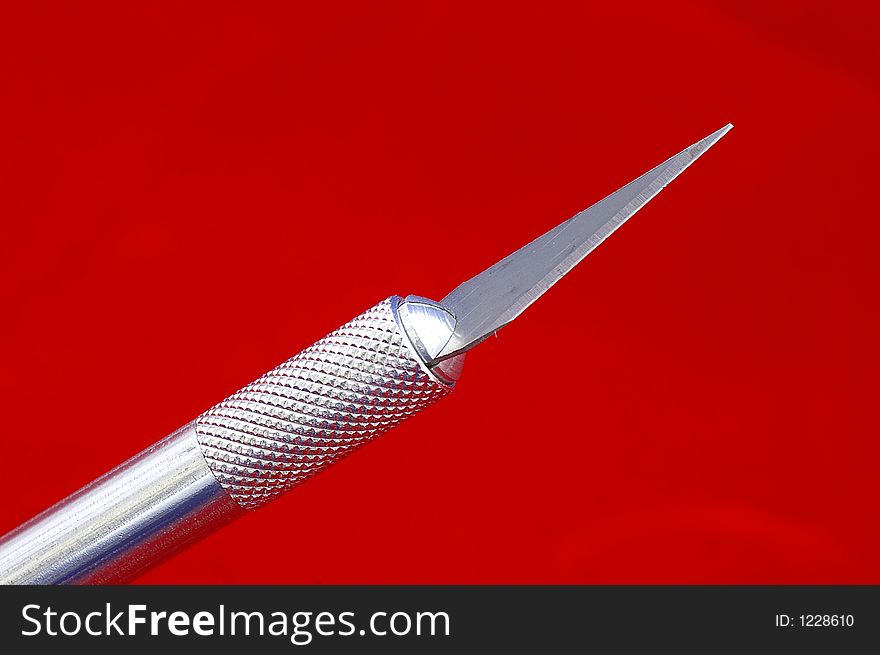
{"x":191,"y":194}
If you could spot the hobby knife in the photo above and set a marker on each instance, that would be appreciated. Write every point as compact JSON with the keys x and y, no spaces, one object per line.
{"x":379,"y":369}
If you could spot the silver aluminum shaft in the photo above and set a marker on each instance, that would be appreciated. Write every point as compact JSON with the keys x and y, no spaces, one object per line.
{"x":112,"y":529}
{"x":385,"y":365}
{"x":364,"y":378}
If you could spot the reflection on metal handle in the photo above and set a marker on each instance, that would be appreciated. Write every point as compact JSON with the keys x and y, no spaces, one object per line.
{"x":305,"y":414}
{"x":109,"y":531}
{"x":351,"y":386}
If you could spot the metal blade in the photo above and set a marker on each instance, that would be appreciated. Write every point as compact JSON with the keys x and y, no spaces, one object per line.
{"x":486,"y":303}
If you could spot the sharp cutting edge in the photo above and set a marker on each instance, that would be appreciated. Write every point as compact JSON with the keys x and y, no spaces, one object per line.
{"x":487,"y":302}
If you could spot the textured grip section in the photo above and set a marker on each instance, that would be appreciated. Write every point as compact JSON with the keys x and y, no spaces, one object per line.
{"x":315,"y":408}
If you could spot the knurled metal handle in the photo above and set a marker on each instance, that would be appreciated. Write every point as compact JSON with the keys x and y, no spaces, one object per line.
{"x":321,"y":404}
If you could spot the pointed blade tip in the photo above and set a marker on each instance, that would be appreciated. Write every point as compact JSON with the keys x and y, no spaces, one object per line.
{"x":717,"y":134}
{"x":701,"y":146}
{"x":694,"y":152}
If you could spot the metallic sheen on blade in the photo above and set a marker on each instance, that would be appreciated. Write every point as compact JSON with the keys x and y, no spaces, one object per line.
{"x":486,"y":303}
